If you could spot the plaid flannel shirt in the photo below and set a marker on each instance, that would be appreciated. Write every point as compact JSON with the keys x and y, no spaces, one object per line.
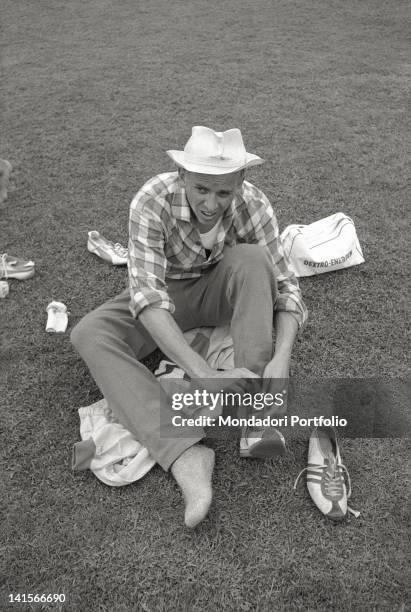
{"x":165,"y":244}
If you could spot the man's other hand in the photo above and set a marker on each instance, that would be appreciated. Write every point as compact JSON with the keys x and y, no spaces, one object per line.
{"x":275,"y":381}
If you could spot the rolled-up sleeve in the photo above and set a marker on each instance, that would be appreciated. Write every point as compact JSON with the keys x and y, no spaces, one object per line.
{"x":262,"y":228}
{"x":289,"y":298}
{"x":147,"y":263}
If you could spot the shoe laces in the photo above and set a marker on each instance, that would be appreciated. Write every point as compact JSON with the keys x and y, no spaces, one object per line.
{"x":120,"y":250}
{"x":333,"y":480}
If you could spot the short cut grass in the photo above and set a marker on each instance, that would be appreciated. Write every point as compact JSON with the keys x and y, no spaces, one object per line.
{"x":93,"y":94}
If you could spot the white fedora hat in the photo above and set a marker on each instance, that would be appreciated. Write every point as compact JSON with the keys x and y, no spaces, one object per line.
{"x":210,"y":152}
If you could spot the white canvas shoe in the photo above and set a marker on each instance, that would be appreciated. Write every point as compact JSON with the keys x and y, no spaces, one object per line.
{"x":14,"y":267}
{"x":112,"y":252}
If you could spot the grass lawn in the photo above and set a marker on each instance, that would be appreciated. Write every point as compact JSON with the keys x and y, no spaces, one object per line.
{"x":92,"y":94}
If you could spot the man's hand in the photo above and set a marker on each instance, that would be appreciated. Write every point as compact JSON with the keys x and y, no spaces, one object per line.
{"x":277,"y":371}
{"x":276,"y":377}
{"x":235,"y":380}
{"x":234,"y":373}
{"x":277,"y":368}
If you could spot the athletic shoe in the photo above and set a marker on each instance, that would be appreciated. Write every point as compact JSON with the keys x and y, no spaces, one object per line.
{"x":112,"y":252}
{"x":260,"y":444}
{"x":57,"y":318}
{"x":14,"y":267}
{"x":325,"y":475}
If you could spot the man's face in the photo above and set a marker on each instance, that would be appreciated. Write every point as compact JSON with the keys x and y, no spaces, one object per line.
{"x":210,"y":195}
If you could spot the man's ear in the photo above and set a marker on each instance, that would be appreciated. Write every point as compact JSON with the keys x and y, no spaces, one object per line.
{"x":181,"y":173}
{"x":241,"y":177}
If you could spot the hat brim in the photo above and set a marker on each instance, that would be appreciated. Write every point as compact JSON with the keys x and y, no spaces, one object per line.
{"x":211,"y":167}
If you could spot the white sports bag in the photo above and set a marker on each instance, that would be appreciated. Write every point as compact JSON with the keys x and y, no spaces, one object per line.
{"x":326,"y":245}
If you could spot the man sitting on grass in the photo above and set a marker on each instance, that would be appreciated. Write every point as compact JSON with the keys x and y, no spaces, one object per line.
{"x":204,"y":250}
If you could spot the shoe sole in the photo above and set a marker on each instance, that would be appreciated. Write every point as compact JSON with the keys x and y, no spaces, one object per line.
{"x":264,"y":448}
{"x":20,"y":275}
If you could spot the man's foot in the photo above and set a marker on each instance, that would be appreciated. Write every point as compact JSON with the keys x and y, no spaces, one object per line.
{"x":261,"y":444}
{"x":193,"y":472}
